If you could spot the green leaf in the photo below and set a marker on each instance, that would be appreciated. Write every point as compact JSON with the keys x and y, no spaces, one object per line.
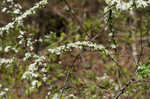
{"x":144,"y":70}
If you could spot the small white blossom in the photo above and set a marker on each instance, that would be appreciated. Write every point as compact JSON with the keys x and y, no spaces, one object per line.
{"x":44,"y":79}
{"x":31,"y":48}
{"x":105,"y":76}
{"x":6,"y":89}
{"x":27,"y":56}
{"x":113,"y":46}
{"x":9,"y":0}
{"x":4,"y":9}
{"x":49,"y":93}
{"x":14,"y":49}
{"x":21,"y":41}
{"x":34,"y":83}
{"x":6,"y":61}
{"x":40,"y":40}
{"x":44,"y":70}
{"x":16,"y":11}
{"x":55,"y":96}
{"x":29,"y":75}
{"x":7,"y":48}
{"x":22,"y":32}
{"x":2,"y":93}
{"x":33,"y":67}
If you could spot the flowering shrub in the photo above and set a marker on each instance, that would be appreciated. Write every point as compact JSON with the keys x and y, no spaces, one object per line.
{"x":22,"y":64}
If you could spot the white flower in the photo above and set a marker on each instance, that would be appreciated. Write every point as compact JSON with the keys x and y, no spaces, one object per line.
{"x":110,"y":34}
{"x":29,"y":75}
{"x":44,"y":79}
{"x":113,"y":46}
{"x":0,"y":85}
{"x":141,"y":3}
{"x":22,"y":32}
{"x":6,"y":89}
{"x":7,"y":48}
{"x":27,"y":56}
{"x":20,"y":36}
{"x":44,"y":70}
{"x":6,"y":61}
{"x":16,"y":11}
{"x":105,"y":76}
{"x":55,"y":96}
{"x":34,"y":83}
{"x":9,"y":0}
{"x":32,"y":67}
{"x":40,"y":40}
{"x":16,"y":51}
{"x":21,"y":41}
{"x":4,"y":9}
{"x":49,"y":93}
{"x":2,"y":93}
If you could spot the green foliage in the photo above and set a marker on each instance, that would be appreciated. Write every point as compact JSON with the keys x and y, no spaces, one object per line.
{"x":144,"y":70}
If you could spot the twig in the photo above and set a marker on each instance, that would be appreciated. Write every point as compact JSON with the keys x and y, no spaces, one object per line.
{"x":67,"y":76}
{"x":131,"y":81}
{"x":114,"y":42}
{"x":134,"y":54}
{"x":141,"y":43}
{"x":134,"y":50}
{"x":136,"y":60}
{"x":75,"y":17}
{"x":124,"y":88}
{"x":111,"y":29}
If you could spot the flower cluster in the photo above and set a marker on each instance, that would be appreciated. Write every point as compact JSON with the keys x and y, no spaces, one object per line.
{"x":19,"y":20}
{"x":11,"y":7}
{"x":122,"y":5}
{"x":26,"y":41}
{"x":37,"y":69}
{"x":119,"y":5}
{"x":33,"y":67}
{"x":34,"y":72}
{"x":10,"y":48}
{"x":6,"y":61}
{"x":37,"y":61}
{"x":79,"y":45}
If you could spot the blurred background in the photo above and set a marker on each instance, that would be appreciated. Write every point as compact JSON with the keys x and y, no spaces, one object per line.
{"x":94,"y":75}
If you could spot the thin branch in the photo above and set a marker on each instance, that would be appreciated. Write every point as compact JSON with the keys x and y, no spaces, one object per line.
{"x":67,"y":76}
{"x":131,"y":81}
{"x":134,"y":50}
{"x":113,"y":41}
{"x":111,"y":28}
{"x":136,"y":59}
{"x":75,"y":17}
{"x":141,"y":44}
{"x":124,"y":88}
